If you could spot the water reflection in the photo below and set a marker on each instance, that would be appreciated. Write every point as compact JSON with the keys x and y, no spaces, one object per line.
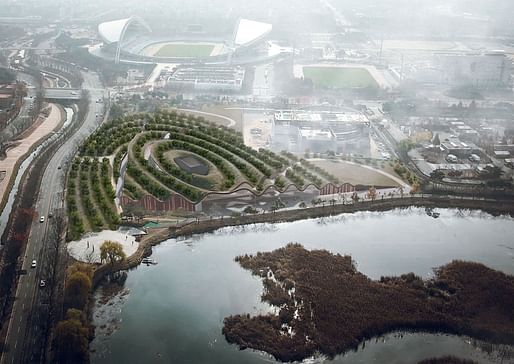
{"x":175,"y":310}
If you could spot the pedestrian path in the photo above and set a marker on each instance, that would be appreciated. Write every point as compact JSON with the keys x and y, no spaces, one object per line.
{"x":42,"y":128}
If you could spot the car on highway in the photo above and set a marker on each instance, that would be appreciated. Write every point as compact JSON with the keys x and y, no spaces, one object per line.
{"x":34,"y":263}
{"x":42,"y":283}
{"x":42,"y":219}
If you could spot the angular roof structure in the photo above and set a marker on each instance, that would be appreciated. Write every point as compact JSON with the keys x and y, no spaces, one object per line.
{"x":250,"y":31}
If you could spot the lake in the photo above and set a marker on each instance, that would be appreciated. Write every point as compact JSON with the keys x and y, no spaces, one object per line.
{"x":173,"y":312}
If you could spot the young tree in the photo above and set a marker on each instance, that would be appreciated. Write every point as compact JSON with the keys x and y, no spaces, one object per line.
{"x":111,"y":251}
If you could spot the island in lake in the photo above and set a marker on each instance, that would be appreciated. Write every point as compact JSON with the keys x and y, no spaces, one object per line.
{"x":326,"y":306}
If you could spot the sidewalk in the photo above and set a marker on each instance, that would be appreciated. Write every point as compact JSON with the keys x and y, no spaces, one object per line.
{"x":42,"y":128}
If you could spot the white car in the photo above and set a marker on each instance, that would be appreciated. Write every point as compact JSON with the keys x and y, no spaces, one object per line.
{"x":42,"y":283}
{"x":34,"y":263}
{"x":42,"y":219}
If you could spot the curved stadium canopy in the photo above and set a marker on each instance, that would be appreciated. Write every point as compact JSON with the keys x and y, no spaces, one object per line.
{"x":113,"y":31}
{"x":250,"y":31}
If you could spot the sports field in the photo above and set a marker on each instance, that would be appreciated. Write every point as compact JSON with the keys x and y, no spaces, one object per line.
{"x":339,"y":77}
{"x":185,"y":50}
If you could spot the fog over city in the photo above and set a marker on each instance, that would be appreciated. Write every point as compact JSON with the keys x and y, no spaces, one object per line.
{"x":262,"y":181}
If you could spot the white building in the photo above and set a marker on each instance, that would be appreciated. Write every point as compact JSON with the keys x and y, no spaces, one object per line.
{"x":481,"y":70}
{"x":208,"y":78}
{"x":344,"y":131}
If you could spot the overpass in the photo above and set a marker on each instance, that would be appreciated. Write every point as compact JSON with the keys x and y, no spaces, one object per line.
{"x":62,"y":94}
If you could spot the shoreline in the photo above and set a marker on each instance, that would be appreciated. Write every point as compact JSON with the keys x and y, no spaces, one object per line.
{"x":12,"y":178}
{"x":494,"y":207}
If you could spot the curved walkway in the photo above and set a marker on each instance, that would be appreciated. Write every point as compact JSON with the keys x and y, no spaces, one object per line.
{"x":231,"y":122}
{"x":41,"y":129}
{"x":384,"y":173}
{"x":199,"y":226}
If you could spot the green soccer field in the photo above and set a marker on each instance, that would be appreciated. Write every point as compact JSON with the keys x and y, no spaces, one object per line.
{"x":185,"y":50}
{"x":340,"y":77}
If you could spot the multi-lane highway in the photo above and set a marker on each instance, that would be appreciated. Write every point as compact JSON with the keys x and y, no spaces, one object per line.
{"x":26,"y":332}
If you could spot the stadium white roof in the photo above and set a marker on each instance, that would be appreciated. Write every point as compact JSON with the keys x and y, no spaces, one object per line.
{"x":113,"y":31}
{"x":249,"y":31}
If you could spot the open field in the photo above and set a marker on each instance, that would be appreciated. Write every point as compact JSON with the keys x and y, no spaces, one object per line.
{"x":340,"y":77}
{"x":355,"y":174}
{"x":232,"y":112}
{"x":184,"y":50}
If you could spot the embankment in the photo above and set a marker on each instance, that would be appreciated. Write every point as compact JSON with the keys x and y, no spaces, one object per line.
{"x":494,"y":207}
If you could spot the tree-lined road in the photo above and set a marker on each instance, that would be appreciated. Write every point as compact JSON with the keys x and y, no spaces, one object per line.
{"x":26,"y":336}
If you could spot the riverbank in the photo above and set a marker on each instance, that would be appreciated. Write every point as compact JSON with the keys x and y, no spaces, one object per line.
{"x":155,"y":236}
{"x":26,"y":144}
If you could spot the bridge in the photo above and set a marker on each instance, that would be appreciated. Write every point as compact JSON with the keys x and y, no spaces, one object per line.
{"x":62,"y":94}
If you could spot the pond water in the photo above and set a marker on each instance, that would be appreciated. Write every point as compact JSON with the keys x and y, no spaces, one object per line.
{"x":173,"y":312}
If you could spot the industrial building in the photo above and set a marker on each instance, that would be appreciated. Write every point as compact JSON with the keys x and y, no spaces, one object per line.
{"x":480,"y":70}
{"x":200,"y":78}
{"x":342,"y":131}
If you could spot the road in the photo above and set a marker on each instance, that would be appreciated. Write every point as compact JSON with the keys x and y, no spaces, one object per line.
{"x":26,"y":332}
{"x":26,"y":107}
{"x":381,"y":134}
{"x":262,"y":81}
{"x":338,"y":16}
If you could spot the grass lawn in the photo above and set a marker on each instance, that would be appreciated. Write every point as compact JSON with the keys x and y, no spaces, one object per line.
{"x":354,"y":174}
{"x":185,"y":50}
{"x":340,"y":77}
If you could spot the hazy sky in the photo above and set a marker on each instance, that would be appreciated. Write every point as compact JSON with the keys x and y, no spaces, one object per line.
{"x":435,"y":18}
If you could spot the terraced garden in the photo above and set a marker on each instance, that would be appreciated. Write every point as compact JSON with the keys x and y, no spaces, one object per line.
{"x":157,"y":149}
{"x":90,"y":197}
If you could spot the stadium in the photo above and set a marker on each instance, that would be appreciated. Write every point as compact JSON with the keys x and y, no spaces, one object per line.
{"x":132,"y":40}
